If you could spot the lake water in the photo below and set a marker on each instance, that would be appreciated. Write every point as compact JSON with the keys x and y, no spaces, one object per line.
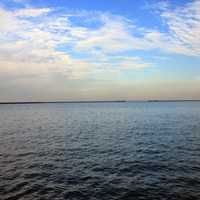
{"x":100,"y":151}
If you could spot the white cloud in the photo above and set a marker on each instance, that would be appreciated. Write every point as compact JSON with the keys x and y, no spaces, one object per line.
{"x":115,"y":35}
{"x":132,"y":63}
{"x":118,"y":34}
{"x":7,"y":21}
{"x":32,"y":47}
{"x":184,"y":25}
{"x":30,"y":40}
{"x":31,"y":12}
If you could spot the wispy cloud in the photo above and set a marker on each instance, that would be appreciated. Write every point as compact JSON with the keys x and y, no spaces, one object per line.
{"x":31,"y":40}
{"x":184,"y":25}
{"x":32,"y":46}
{"x":31,"y":12}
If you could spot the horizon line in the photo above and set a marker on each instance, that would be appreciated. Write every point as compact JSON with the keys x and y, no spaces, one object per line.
{"x":98,"y":101}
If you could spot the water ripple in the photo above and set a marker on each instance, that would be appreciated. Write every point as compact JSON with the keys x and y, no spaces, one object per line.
{"x":110,"y":151}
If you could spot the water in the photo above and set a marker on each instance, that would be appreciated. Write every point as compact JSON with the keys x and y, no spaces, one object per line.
{"x":100,"y":151}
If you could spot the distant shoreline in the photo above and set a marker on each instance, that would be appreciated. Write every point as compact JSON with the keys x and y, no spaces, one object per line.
{"x":116,"y":101}
{"x":45,"y":102}
{"x":172,"y":100}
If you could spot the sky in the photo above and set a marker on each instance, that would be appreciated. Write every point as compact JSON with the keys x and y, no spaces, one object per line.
{"x":77,"y":50}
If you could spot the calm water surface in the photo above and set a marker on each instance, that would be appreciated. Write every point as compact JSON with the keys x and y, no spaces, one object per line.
{"x":100,"y":151}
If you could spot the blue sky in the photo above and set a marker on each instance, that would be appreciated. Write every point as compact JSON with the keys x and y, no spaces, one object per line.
{"x":99,"y":50}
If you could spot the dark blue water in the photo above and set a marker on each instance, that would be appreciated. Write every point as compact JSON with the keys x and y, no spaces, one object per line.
{"x":100,"y":151}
